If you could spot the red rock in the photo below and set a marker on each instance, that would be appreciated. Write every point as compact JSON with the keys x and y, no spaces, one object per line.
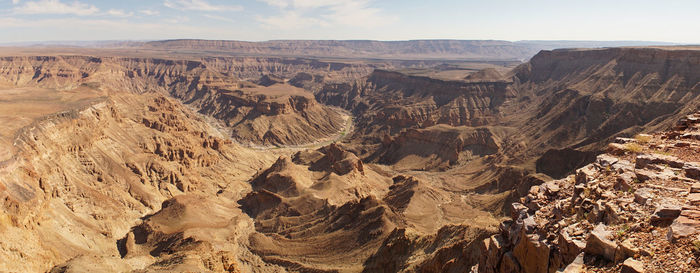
{"x":632,"y":266}
{"x":682,"y":227}
{"x":509,"y":264}
{"x":624,"y":140}
{"x":616,"y":149}
{"x":695,"y":188}
{"x":599,"y":243}
{"x":624,"y":181}
{"x":532,"y":254}
{"x":694,"y":199}
{"x":606,"y":160}
{"x":692,"y":171}
{"x":627,"y":249}
{"x":576,"y":266}
{"x":644,"y":160}
{"x":569,"y":248}
{"x":642,"y":196}
{"x":585,"y":174}
{"x":665,"y":214}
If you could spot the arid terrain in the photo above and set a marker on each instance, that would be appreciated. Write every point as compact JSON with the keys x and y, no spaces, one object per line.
{"x":349,"y":156}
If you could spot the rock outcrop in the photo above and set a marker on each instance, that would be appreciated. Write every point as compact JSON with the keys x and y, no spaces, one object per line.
{"x":438,"y":147}
{"x":637,"y":206}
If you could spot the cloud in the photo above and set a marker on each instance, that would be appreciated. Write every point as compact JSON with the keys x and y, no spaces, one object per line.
{"x":290,"y":20}
{"x":149,"y":12}
{"x":358,"y":14}
{"x":15,"y":2}
{"x":17,"y":29}
{"x":220,"y":18}
{"x":303,"y":13}
{"x":119,"y":13}
{"x":199,"y":5}
{"x":55,"y":7}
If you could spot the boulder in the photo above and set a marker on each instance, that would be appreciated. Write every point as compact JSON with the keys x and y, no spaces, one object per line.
{"x":684,"y":226}
{"x":627,"y":249}
{"x":622,"y":166}
{"x":518,"y":211}
{"x":616,"y":149}
{"x":574,"y":267}
{"x":532,"y":254}
{"x":695,"y":136}
{"x":569,"y":248}
{"x":529,"y":224}
{"x":624,"y":181}
{"x":578,"y":190}
{"x":551,"y":188}
{"x":606,"y":160}
{"x":624,"y":140}
{"x":585,"y":174}
{"x":694,"y":199}
{"x":695,"y":188}
{"x":612,"y":213}
{"x":660,"y":174}
{"x":632,"y":266}
{"x":644,"y":160}
{"x":665,"y":214}
{"x":599,"y":243}
{"x":692,"y":171}
{"x":509,"y":264}
{"x":642,"y":196}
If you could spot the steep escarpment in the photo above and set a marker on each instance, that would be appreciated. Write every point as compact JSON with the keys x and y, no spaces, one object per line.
{"x":580,"y":99}
{"x":272,"y":115}
{"x":387,"y":102}
{"x":439,"y":146}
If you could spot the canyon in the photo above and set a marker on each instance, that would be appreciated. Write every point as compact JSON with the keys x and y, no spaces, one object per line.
{"x":259,"y":160}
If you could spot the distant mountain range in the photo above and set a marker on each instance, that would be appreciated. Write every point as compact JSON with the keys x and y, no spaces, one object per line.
{"x":367,"y":49}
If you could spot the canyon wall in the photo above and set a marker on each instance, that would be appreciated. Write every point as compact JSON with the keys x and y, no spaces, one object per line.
{"x":220,"y":95}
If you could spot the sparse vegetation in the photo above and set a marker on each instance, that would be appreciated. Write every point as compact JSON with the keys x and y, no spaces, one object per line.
{"x":634,"y":147}
{"x":623,"y":230}
{"x":696,"y":246}
{"x":642,"y":138}
{"x":663,"y":153}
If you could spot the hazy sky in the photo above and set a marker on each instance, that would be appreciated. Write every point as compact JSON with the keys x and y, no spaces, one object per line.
{"x":51,"y":20}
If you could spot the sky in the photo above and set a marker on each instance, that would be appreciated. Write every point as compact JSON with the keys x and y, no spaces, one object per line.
{"x":258,"y":20}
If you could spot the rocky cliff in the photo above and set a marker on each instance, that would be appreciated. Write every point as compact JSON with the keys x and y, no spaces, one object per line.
{"x":438,"y":147}
{"x":387,"y":102}
{"x":634,"y":209}
{"x":582,"y":99}
{"x":281,"y":115}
